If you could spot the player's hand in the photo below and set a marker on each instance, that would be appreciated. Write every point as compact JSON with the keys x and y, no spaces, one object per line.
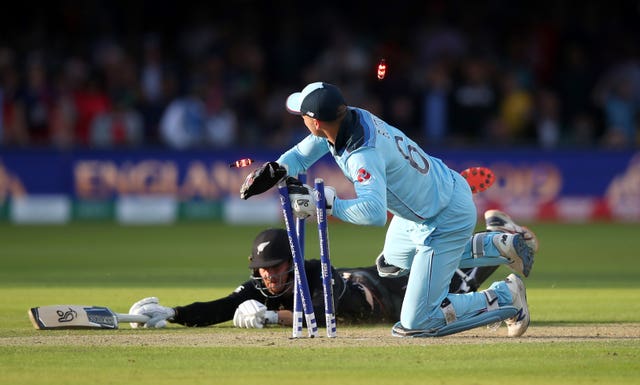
{"x":302,"y":198}
{"x":262,"y":179}
{"x":157,"y":313}
{"x":253,"y":314}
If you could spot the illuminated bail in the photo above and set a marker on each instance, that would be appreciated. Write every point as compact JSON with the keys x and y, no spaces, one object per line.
{"x":382,"y":69}
{"x":241,"y":163}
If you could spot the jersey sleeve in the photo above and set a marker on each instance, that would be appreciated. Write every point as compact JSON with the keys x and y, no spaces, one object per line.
{"x":367,"y":172}
{"x":217,"y":311}
{"x":303,"y":155}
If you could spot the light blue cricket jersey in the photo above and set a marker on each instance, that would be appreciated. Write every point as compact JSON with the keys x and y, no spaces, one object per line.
{"x":388,"y":170}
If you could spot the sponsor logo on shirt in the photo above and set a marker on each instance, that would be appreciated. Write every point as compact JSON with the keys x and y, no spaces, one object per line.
{"x":363,"y":175}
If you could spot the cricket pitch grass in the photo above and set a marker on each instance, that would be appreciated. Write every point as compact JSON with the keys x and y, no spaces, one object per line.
{"x":584,"y":298}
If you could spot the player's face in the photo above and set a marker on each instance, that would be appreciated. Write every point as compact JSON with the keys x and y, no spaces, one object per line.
{"x":312,"y":125}
{"x":275,"y":278}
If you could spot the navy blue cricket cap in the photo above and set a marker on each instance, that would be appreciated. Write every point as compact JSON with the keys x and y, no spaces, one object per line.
{"x":318,"y":100}
{"x":270,"y":248}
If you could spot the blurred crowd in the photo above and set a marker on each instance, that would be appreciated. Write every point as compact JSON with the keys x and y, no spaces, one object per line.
{"x":216,"y":75}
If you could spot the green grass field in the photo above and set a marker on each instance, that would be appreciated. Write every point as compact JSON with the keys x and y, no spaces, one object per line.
{"x":584,"y":275}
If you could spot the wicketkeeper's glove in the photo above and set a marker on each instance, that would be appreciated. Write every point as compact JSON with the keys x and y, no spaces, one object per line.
{"x":262,"y":179}
{"x":302,"y":198}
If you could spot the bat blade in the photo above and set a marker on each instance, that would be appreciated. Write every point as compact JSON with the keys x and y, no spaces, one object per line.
{"x":79,"y":317}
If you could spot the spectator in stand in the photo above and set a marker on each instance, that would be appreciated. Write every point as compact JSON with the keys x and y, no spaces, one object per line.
{"x":621,"y":116}
{"x":618,"y":95}
{"x":516,"y":108}
{"x":157,"y":86}
{"x":575,"y":79}
{"x":435,"y":104}
{"x":63,"y":113}
{"x":183,"y":121}
{"x":120,"y":126}
{"x":90,"y":101}
{"x":548,"y":126}
{"x":221,"y":121}
{"x":12,"y":116}
{"x":37,"y":100}
{"x":474,"y":101}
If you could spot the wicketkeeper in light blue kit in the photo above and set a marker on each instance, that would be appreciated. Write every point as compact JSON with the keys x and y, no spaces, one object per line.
{"x":434,"y":216}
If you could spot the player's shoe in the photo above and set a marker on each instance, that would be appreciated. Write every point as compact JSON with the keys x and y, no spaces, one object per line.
{"x":400,"y":331}
{"x":515,"y":248}
{"x":519,"y":323}
{"x":387,"y":270}
{"x":497,"y":220}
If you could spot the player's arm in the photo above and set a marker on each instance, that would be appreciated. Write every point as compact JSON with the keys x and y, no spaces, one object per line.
{"x":303,"y":155}
{"x":367,"y":173}
{"x":216,"y":311}
{"x":195,"y":314}
{"x":292,"y":162}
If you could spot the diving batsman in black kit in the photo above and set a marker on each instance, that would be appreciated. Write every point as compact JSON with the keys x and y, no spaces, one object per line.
{"x":361,"y":295}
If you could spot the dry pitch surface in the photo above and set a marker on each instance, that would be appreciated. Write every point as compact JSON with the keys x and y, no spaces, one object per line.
{"x":347,"y":336}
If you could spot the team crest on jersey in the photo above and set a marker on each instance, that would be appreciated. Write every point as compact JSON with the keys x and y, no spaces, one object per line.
{"x":363,"y":175}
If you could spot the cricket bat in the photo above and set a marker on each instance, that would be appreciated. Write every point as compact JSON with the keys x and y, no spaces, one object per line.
{"x":79,"y":317}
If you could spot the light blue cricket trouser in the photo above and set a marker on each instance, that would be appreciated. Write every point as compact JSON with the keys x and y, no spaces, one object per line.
{"x":432,"y":251}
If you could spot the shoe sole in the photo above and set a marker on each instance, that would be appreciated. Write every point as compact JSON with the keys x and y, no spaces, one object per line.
{"x":399,"y":331}
{"x":496,"y":220}
{"x":524,"y":253}
{"x":523,"y":314}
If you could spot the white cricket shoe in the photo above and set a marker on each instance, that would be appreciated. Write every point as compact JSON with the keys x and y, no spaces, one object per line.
{"x":519,"y":323}
{"x":497,"y":220}
{"x":515,"y":249}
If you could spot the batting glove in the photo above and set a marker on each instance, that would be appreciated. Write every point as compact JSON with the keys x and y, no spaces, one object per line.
{"x":158,"y":314}
{"x":302,"y":198}
{"x":253,"y":314}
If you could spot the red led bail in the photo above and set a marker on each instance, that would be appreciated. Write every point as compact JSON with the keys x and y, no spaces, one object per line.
{"x":382,"y":69}
{"x":241,"y":163}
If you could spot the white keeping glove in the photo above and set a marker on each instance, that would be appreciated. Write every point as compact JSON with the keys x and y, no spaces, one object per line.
{"x":303,"y":201}
{"x":253,"y":314}
{"x":157,"y":313}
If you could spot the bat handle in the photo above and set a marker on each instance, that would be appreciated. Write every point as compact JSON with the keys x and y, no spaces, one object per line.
{"x":139,"y":318}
